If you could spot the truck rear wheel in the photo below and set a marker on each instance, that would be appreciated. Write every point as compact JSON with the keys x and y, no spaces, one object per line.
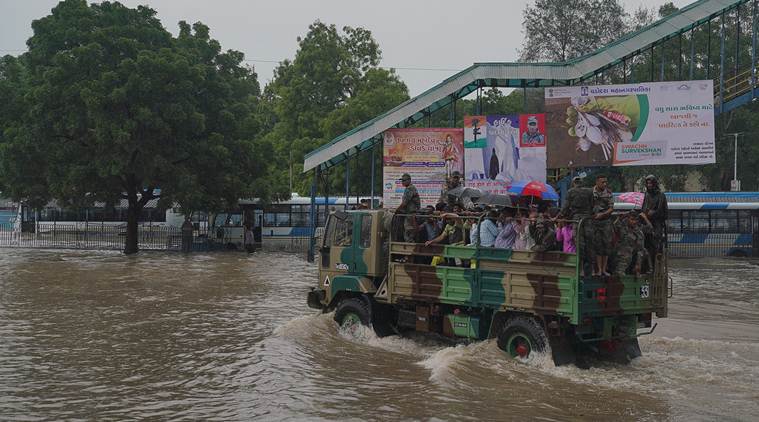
{"x":522,"y":337}
{"x":351,"y":314}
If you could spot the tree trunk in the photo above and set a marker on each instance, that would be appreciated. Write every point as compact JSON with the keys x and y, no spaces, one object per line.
{"x":131,"y":246}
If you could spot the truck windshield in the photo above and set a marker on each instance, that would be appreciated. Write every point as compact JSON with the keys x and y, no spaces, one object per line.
{"x":329,"y":231}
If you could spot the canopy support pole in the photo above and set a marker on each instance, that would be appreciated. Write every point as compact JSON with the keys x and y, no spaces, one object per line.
{"x":371,"y":190}
{"x":737,"y":39}
{"x":722,"y":62}
{"x":692,"y":53}
{"x":753,"y":48}
{"x":680,"y":57}
{"x":312,"y":216}
{"x":326,"y":195}
{"x":708,"y":47}
{"x":347,"y":181}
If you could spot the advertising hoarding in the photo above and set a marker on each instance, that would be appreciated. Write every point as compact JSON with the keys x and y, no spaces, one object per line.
{"x":501,"y":149}
{"x":428,"y":155}
{"x":629,"y":125}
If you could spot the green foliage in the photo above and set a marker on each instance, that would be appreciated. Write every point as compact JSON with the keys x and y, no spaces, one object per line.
{"x":117,"y":107}
{"x":559,"y":30}
{"x":332,"y":85}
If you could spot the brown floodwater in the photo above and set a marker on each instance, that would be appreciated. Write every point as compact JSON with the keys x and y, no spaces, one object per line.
{"x":226,"y":336}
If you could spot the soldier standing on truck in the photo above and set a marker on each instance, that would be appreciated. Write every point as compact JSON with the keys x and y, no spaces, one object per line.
{"x":451,"y":182}
{"x":603,"y":206}
{"x":655,"y":209}
{"x":632,"y":257}
{"x":410,"y":204}
{"x":578,"y":206}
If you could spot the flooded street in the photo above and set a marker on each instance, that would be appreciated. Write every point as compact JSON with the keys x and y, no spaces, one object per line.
{"x":98,"y":335}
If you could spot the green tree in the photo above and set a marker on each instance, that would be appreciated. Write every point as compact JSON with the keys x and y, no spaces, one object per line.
{"x":333,"y":84}
{"x":118,"y":108}
{"x":559,"y":30}
{"x":19,"y":176}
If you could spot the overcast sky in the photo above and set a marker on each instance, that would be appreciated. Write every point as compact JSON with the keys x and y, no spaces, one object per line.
{"x":426,"y":41}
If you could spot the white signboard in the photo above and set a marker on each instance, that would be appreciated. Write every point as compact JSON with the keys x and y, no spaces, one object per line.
{"x":630,"y":125}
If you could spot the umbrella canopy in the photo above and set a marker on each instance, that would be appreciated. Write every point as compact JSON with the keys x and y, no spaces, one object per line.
{"x":494,"y":200}
{"x":533,"y":188}
{"x":635,"y":198}
{"x":464,"y":197}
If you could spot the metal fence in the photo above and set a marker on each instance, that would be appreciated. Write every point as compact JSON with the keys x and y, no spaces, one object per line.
{"x":694,"y":245}
{"x":96,"y":236}
{"x":286,"y":244}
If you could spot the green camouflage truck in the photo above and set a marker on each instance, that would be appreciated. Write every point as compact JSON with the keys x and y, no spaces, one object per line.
{"x":529,"y":301}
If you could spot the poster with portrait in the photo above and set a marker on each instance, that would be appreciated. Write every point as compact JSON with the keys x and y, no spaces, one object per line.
{"x":501,"y":149}
{"x":630,"y":125}
{"x":429,"y":155}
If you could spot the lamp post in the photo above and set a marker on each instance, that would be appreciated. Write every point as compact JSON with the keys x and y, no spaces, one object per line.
{"x":735,"y":184}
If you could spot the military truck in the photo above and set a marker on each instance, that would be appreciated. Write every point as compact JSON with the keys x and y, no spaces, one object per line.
{"x":529,"y":301}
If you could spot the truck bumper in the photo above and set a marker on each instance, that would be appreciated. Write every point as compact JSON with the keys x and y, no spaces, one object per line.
{"x":315,"y":298}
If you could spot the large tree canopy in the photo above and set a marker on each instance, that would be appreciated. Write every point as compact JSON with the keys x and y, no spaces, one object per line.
{"x":118,"y":108}
{"x":559,"y":30}
{"x":332,"y":85}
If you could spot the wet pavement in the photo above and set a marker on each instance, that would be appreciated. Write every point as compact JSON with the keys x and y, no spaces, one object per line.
{"x":99,"y":335}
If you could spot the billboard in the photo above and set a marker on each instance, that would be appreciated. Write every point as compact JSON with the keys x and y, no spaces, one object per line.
{"x":630,"y":125}
{"x":428,"y":155}
{"x":501,"y":149}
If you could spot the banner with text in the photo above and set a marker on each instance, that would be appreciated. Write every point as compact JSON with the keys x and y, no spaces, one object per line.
{"x":630,"y":125}
{"x":502,"y":149}
{"x":428,"y":155}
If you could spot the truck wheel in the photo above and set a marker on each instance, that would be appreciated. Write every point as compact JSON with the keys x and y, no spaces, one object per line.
{"x":351,"y":314}
{"x":522,"y":337}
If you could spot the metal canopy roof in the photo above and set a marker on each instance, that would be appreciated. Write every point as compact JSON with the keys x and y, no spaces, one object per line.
{"x":514,"y":75}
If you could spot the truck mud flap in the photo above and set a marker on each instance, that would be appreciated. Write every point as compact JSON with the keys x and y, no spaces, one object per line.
{"x":562,"y":350}
{"x":315,"y":299}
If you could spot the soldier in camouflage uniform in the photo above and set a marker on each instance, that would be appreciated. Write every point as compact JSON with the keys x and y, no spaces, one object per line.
{"x":632,"y":256}
{"x":603,"y":206}
{"x":410,"y":204}
{"x":655,"y":210}
{"x":450,"y":183}
{"x":579,"y":206}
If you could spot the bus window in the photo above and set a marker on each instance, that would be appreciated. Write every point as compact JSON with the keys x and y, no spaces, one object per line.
{"x":301,"y":215}
{"x":674,"y":221}
{"x":234,"y":219}
{"x":724,"y":221}
{"x":220,"y":219}
{"x":744,"y":221}
{"x":283,"y":219}
{"x":696,"y":221}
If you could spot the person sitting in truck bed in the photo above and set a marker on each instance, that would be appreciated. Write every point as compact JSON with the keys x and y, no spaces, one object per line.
{"x":544,"y":233}
{"x":508,"y":232}
{"x":431,"y":227}
{"x":453,"y":232}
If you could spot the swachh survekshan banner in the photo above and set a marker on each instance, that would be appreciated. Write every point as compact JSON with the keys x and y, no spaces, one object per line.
{"x":428,"y":155}
{"x":630,"y":125}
